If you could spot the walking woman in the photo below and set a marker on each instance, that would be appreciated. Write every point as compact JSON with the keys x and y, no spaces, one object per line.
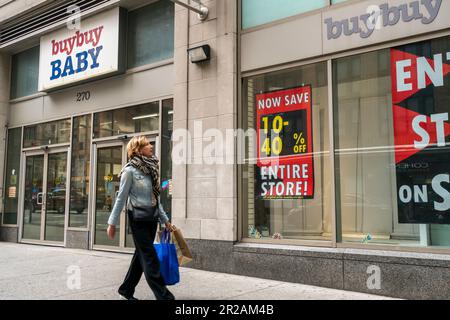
{"x":139,"y":183}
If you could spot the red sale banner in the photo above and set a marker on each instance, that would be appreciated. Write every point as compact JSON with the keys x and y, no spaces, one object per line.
{"x":285,"y":149}
{"x":420,"y":84}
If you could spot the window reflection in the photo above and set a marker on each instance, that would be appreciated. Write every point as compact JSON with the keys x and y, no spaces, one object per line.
{"x":366,"y":170}
{"x":308,"y":219}
{"x":142,"y":118}
{"x":12,"y":176}
{"x":166,"y":155}
{"x":47,"y":133}
{"x":80,"y":170}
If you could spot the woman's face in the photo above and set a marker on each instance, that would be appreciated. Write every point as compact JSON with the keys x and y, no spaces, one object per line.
{"x":147,"y":151}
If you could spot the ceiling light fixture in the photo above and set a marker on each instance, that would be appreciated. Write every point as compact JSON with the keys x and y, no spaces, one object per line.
{"x":153,"y":115}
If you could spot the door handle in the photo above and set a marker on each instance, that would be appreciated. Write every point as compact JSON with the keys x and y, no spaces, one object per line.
{"x":39,"y":195}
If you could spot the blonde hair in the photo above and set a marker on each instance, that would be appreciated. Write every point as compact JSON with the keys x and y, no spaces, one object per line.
{"x":135,"y":146}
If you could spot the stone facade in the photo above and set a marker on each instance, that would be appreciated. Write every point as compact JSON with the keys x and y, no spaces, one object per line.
{"x":401,"y":274}
{"x":204,"y":200}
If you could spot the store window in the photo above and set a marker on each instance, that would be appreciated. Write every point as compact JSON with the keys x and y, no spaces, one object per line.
{"x":151,"y":34}
{"x":12,"y":175}
{"x":80,"y":164}
{"x":166,"y":155}
{"x":286,"y":172}
{"x":142,"y":118}
{"x":48,"y":133}
{"x":391,"y":137}
{"x":25,"y":73}
{"x":258,"y":12}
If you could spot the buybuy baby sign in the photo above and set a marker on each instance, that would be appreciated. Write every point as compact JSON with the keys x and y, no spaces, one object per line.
{"x":68,"y":56}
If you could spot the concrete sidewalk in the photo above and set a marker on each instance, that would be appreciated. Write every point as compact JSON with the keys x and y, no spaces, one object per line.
{"x":40,"y":272}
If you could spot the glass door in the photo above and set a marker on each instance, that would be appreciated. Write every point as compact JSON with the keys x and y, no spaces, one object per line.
{"x":110,"y":159}
{"x":33,"y":197}
{"x":56,"y":196}
{"x":45,"y":196}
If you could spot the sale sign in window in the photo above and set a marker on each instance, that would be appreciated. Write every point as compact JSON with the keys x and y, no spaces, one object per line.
{"x":285,"y":168}
{"x":421,"y":105}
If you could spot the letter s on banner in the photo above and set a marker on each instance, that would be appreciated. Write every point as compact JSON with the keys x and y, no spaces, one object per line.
{"x":436,"y":184}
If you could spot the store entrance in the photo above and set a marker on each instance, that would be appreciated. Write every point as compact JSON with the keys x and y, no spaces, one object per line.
{"x":45,"y":200}
{"x":110,"y":157}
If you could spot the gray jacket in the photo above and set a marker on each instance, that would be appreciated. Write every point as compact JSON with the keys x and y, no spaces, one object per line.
{"x":138,"y":187}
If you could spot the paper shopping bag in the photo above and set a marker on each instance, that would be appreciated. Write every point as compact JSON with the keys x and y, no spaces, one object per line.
{"x":183,"y":253}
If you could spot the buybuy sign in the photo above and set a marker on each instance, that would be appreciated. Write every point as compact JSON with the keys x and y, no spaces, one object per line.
{"x":70,"y":56}
{"x":83,"y":60}
{"x":384,"y":15}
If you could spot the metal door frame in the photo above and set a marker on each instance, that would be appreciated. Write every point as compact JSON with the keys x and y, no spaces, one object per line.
{"x":102,"y":145}
{"x":45,"y":153}
{"x":122,"y":221}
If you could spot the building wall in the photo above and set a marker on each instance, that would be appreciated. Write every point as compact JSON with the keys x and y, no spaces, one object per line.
{"x":127,"y":89}
{"x":204,"y":203}
{"x":204,"y":200}
{"x":303,"y":40}
{"x":10,"y":8}
{"x":263,"y":46}
{"x":142,"y":84}
{"x":403,"y":275}
{"x":204,"y":195}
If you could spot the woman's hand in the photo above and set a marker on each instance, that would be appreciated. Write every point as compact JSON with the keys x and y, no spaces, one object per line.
{"x":170,"y":226}
{"x":111,"y":231}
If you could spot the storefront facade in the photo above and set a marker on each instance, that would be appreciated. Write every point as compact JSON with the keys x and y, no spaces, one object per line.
{"x":350,"y":157}
{"x":339,"y":117}
{"x":68,"y":122}
{"x":73,"y":107}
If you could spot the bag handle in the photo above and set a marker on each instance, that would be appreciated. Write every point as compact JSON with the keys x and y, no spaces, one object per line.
{"x":166,"y":236}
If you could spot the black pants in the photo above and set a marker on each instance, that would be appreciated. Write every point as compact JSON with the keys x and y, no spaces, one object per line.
{"x":145,"y":260}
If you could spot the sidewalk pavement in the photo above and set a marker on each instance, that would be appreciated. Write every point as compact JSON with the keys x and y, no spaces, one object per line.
{"x":42,"y":272}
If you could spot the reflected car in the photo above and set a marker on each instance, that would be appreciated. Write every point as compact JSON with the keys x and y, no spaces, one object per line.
{"x":56,"y":201}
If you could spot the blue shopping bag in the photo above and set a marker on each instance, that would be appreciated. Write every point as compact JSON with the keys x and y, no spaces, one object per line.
{"x":168,"y":260}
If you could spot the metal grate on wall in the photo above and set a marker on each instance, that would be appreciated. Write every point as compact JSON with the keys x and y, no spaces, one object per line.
{"x":43,"y":17}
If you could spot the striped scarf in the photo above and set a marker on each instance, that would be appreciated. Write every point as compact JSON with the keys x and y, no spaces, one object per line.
{"x":149,"y":166}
